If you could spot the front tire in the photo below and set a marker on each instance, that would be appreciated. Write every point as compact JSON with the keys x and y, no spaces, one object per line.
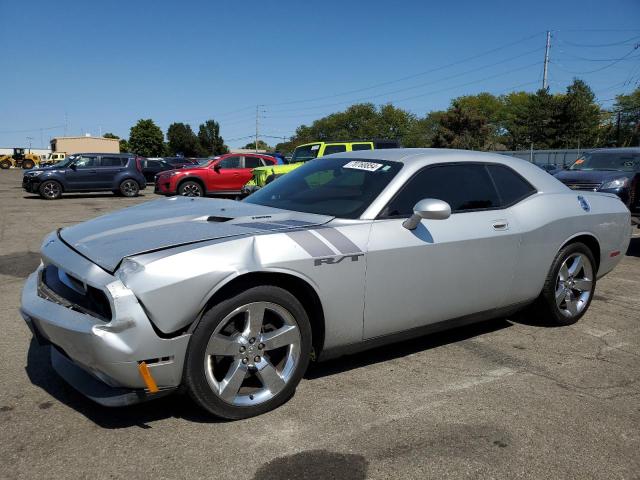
{"x":248,"y":353}
{"x":190,"y":189}
{"x":50,"y":190}
{"x":569,"y":287}
{"x":129,"y":188}
{"x":5,"y":164}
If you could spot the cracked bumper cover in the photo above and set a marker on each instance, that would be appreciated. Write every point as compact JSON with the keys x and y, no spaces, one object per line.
{"x":100,"y":358}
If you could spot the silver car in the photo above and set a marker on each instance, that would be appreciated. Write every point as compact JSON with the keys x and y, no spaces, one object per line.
{"x":230,"y":300}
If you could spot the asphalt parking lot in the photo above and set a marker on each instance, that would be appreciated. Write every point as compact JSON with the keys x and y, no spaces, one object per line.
{"x":504,"y":399}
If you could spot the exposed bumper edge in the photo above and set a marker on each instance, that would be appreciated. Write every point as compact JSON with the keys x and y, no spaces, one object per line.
{"x":98,"y":391}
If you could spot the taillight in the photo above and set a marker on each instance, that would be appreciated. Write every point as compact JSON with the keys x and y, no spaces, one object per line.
{"x":139,"y":164}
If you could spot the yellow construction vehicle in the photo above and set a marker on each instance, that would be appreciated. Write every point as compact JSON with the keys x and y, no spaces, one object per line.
{"x":19,"y":159}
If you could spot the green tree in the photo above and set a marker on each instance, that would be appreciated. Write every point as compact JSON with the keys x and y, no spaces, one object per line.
{"x":124,"y":146}
{"x":210,"y":139}
{"x":464,"y":128}
{"x":423,"y":130}
{"x":626,"y":120}
{"x":182,"y":140}
{"x":146,"y":139}
{"x":262,"y":145}
{"x":110,"y":135}
{"x":579,"y":118}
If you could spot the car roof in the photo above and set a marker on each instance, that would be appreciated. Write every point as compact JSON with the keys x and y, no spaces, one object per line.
{"x":102,"y":153}
{"x":615,"y":150}
{"x":415,"y":159}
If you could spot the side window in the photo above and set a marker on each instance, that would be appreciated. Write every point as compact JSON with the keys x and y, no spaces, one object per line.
{"x":511,"y":186}
{"x":361,"y":146}
{"x":329,"y":149}
{"x":463,"y":187}
{"x":252,"y":162}
{"x":112,"y":161}
{"x":86,"y":162}
{"x":229,"y":162}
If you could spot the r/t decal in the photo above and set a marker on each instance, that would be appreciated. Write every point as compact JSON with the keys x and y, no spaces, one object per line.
{"x":334,"y":260}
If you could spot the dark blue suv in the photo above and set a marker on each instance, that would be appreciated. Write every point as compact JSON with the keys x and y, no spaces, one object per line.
{"x":120,"y":173}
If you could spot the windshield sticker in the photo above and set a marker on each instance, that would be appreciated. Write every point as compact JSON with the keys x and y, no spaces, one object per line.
{"x":368,"y":166}
{"x":578,"y":162}
{"x":315,"y":147}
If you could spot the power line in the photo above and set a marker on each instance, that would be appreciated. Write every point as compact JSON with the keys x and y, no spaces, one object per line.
{"x":29,"y":130}
{"x":413,"y":87}
{"x":408,"y":77}
{"x":587,"y":45}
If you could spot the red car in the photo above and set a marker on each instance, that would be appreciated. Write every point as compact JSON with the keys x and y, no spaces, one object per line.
{"x":225,"y":174}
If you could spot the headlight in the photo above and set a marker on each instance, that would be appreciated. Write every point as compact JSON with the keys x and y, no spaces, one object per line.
{"x":35,"y":174}
{"x":616,"y":183}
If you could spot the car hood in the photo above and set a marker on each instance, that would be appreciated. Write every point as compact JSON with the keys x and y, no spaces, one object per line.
{"x":176,"y":221}
{"x":594,"y":176}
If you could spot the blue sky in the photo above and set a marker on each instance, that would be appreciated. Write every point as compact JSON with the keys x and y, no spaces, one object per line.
{"x":105,"y":65}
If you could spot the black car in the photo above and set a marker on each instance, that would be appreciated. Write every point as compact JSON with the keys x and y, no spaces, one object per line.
{"x":88,"y":172}
{"x":179,"y":162}
{"x":613,"y":170}
{"x":152,"y":166}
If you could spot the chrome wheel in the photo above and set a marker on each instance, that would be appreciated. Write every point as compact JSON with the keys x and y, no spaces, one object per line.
{"x":51,"y":190}
{"x":252,"y":354}
{"x":574,"y":285}
{"x":191,"y":190}
{"x":129,"y":188}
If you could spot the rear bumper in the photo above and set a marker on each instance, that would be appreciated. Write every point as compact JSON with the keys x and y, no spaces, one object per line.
{"x":89,"y":352}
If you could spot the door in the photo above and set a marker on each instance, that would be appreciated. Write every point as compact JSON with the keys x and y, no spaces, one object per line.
{"x":81,"y":175}
{"x":443,"y":269}
{"x":108,"y":169}
{"x":226,"y":175}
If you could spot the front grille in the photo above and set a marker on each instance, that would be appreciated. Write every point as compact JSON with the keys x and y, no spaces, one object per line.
{"x":59,"y":287}
{"x":592,"y":186}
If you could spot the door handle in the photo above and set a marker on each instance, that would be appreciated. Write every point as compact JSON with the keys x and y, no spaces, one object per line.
{"x":500,"y":225}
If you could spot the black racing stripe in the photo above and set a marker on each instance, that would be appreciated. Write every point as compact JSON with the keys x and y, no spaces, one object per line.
{"x":310,"y":243}
{"x":294,"y":223}
{"x":338,"y":240}
{"x":261,"y":226}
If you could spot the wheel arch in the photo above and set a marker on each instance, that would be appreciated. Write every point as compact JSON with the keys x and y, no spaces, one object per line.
{"x":590,"y":241}
{"x":195,"y":179}
{"x":297,"y":286}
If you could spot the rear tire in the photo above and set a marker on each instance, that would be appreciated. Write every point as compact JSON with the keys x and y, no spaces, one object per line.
{"x":28,"y":164}
{"x":190,"y":189}
{"x":50,"y":190}
{"x":248,"y":353}
{"x":129,"y":188}
{"x":568,"y":289}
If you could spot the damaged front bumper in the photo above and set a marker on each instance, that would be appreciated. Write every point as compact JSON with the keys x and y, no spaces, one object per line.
{"x":99,"y":356}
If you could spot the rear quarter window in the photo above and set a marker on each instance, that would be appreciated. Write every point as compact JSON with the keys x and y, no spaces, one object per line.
{"x":511,"y":186}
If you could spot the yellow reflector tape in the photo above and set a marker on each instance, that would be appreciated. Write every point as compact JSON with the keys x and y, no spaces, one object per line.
{"x":145,"y":373}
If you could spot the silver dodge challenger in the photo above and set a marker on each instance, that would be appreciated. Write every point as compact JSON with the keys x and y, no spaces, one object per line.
{"x":229,"y":300}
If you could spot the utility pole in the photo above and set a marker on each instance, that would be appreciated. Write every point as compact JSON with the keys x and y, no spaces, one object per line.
{"x":29,"y":139}
{"x":545,"y":82}
{"x":257,"y":114}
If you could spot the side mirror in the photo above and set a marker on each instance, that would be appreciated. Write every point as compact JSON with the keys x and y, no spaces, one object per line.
{"x":73,"y":166}
{"x":216,"y":167}
{"x":428,"y":208}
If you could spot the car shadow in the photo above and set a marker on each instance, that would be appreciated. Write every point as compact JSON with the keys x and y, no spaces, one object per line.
{"x":41,"y":374}
{"x":179,"y":405}
{"x":402,"y":349}
{"x":70,"y":196}
{"x":634,"y":247}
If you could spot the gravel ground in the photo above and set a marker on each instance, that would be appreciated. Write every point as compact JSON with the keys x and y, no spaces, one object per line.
{"x":503,"y":399}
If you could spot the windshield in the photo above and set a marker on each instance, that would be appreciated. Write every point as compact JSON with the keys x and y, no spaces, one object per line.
{"x":337,"y":187}
{"x":305,"y":153}
{"x":627,"y":162}
{"x":66,"y":162}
